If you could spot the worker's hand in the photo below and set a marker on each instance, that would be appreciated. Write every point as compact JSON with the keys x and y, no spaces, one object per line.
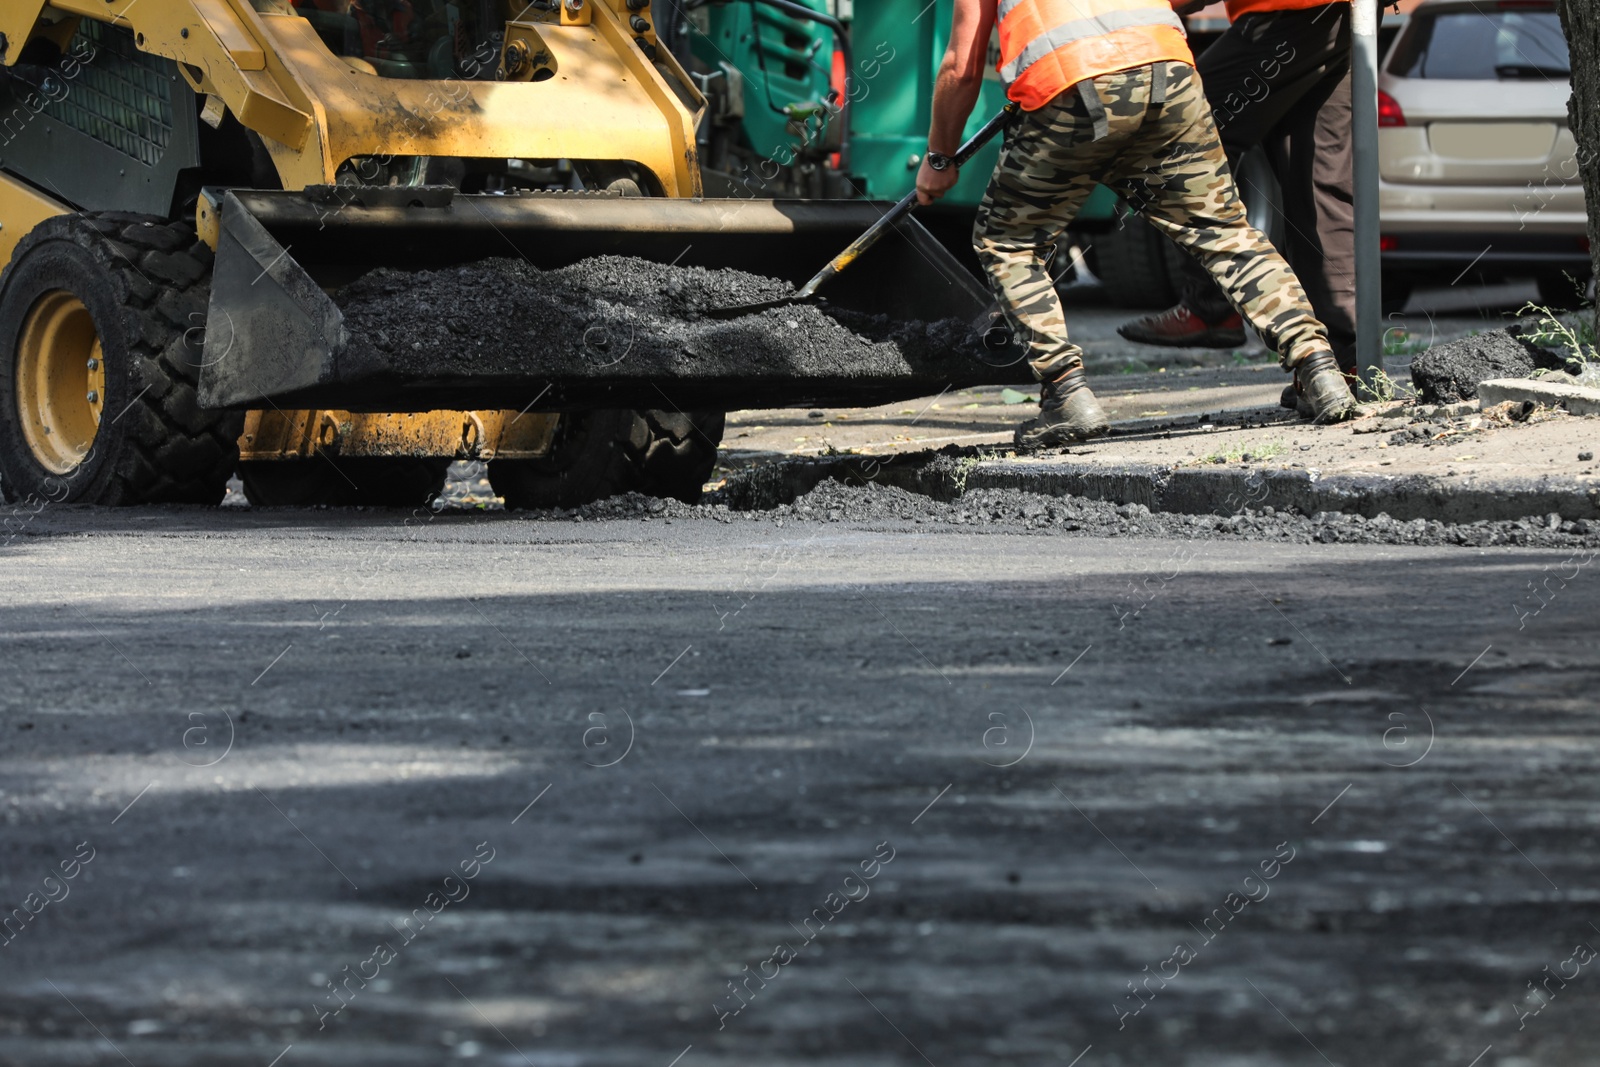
{"x":933,"y":184}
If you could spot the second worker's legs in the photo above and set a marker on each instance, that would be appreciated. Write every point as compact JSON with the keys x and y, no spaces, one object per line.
{"x":1176,"y":167}
{"x":1256,"y":78}
{"x":1311,"y":152}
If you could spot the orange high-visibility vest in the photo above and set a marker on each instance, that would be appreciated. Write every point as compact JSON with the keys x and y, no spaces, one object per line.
{"x":1047,"y":46}
{"x":1244,"y":7}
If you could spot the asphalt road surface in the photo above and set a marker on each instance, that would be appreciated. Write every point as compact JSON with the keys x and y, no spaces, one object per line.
{"x":317,"y":788}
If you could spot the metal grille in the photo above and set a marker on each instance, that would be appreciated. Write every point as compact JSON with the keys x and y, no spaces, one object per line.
{"x":121,"y":97}
{"x":785,"y":45}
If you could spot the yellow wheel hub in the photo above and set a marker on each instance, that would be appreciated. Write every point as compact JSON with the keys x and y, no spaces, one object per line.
{"x":61,"y":381}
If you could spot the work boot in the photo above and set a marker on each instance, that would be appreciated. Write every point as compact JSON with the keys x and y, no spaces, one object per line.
{"x":1322,"y":391}
{"x":1068,"y":412}
{"x":1290,"y":397}
{"x":1178,"y":327}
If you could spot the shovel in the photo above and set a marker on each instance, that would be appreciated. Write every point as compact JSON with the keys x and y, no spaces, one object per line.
{"x":807,"y":293}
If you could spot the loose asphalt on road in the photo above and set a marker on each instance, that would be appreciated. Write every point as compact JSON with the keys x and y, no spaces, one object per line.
{"x":670,"y":754}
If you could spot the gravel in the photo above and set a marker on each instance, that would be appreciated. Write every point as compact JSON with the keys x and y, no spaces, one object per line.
{"x":1013,"y":511}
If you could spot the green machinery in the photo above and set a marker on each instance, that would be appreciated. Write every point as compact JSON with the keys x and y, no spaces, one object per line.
{"x":769,"y":70}
{"x":890,"y":128}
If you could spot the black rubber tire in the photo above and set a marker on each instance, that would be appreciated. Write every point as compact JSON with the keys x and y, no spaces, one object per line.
{"x":1563,"y":290}
{"x":1137,"y":265}
{"x":146,"y":284}
{"x":598,"y":454}
{"x":343,"y":482}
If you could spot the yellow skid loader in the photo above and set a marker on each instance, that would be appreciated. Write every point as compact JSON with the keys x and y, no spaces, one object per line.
{"x":184,"y":182}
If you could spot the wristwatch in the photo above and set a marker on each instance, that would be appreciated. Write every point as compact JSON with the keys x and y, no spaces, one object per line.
{"x":938,"y":160}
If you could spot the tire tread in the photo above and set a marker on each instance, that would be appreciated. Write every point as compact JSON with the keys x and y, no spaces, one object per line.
{"x":167,"y":449}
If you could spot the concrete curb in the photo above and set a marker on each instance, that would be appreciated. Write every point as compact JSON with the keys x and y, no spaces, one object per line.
{"x":951,"y":473}
{"x":1577,"y":399}
{"x":1223,"y":492}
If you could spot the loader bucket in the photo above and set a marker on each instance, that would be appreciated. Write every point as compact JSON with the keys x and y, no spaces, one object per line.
{"x":276,"y":336}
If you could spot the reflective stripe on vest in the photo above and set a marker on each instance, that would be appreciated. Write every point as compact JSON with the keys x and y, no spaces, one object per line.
{"x":1082,"y":29}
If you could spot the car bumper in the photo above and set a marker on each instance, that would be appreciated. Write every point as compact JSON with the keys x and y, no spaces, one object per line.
{"x":1552,"y":209}
{"x":1486,"y":225}
{"x":1419,"y":248}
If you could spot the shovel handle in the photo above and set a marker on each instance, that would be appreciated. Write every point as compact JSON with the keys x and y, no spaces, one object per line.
{"x":976,"y":142}
{"x":986,"y":133}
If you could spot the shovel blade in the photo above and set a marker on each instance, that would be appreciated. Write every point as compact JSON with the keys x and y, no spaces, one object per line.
{"x":739,"y":311}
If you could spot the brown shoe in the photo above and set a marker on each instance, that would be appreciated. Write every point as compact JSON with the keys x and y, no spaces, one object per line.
{"x":1068,"y":412}
{"x":1178,"y":327}
{"x":1322,"y":390}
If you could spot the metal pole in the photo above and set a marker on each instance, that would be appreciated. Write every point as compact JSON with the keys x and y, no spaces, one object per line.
{"x":1364,"y":140}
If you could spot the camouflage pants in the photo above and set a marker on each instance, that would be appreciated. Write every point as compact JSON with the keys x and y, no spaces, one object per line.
{"x":1166,"y":161}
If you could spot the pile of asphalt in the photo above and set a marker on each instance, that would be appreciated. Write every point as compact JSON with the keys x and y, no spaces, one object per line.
{"x":1016,"y":511}
{"x":625,"y":316}
{"x":1451,"y":372}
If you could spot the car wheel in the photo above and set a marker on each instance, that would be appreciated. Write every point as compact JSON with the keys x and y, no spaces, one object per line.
{"x":1563,"y":290}
{"x":1396,"y":293}
{"x":1137,"y":265}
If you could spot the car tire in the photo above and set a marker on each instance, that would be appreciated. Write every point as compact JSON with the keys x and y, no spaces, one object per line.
{"x":1137,"y":265}
{"x":1395,"y":293}
{"x":1563,"y":290}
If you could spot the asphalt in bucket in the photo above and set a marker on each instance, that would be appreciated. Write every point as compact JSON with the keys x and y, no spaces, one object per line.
{"x":644,"y":318}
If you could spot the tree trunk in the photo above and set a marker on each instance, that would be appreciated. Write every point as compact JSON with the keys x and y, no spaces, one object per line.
{"x":1580,"y":19}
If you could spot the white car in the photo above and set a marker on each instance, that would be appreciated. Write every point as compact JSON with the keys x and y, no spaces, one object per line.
{"x":1479,"y":169}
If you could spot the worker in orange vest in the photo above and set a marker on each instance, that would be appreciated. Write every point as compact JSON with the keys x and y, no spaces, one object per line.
{"x":1280,"y":78}
{"x":1109,"y":95}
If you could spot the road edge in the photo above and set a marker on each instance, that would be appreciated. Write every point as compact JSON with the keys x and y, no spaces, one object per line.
{"x":954,"y":472}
